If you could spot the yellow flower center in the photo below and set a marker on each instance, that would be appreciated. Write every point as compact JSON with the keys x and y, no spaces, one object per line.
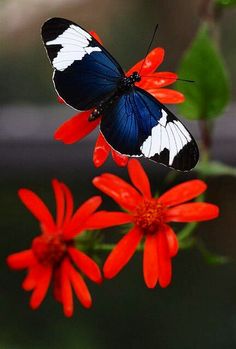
{"x":149,"y":216}
{"x":49,"y":249}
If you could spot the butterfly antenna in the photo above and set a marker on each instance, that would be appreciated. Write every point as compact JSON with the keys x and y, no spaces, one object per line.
{"x":167,"y":78}
{"x":185,"y":80}
{"x":149,"y":47}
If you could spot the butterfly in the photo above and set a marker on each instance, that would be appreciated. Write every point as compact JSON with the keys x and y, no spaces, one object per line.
{"x":133,"y":122}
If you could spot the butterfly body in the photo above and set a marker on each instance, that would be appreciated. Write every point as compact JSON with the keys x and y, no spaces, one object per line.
{"x":133,"y":122}
{"x":124,"y":85}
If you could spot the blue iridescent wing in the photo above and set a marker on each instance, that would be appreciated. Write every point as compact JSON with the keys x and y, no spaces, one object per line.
{"x":84,"y":72}
{"x":138,"y":125}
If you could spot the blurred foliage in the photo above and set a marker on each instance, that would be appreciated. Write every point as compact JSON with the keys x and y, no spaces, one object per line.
{"x":210,"y":257}
{"x":187,"y":240}
{"x":215,"y":168}
{"x":203,"y":63}
{"x":225,"y":3}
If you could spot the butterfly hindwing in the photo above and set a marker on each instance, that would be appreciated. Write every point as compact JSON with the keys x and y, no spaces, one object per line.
{"x":138,"y":125}
{"x":84,"y":72}
{"x":127,"y":124}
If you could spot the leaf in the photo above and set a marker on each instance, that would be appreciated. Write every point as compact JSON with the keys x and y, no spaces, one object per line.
{"x":215,"y":168}
{"x":208,"y":96}
{"x":225,"y":3}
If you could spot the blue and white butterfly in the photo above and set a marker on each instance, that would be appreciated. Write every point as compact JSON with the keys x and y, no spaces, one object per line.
{"x":133,"y":122}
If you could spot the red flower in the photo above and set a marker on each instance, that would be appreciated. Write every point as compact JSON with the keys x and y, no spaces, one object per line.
{"x":150,"y":218}
{"x":78,"y":126}
{"x":52,"y":256}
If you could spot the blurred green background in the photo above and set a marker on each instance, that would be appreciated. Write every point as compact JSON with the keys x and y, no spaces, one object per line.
{"x":198,"y":310}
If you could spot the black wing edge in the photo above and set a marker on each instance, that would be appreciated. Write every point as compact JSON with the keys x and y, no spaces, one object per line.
{"x":184,"y":161}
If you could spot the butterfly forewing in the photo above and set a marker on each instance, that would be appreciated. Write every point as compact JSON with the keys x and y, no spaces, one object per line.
{"x":85,"y":73}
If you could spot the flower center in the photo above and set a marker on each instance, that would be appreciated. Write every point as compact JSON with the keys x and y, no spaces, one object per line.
{"x":149,"y":215}
{"x":49,"y":249}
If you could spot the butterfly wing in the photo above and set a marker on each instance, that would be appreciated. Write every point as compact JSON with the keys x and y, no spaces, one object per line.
{"x":139,"y":125}
{"x":84,"y":72}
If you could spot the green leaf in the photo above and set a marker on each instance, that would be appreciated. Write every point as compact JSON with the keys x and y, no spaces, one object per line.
{"x":225,"y":3}
{"x":208,"y":96}
{"x":215,"y":168}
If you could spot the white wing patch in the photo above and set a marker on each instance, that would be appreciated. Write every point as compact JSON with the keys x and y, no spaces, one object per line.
{"x":163,"y":119}
{"x":75,"y":45}
{"x":170,"y":135}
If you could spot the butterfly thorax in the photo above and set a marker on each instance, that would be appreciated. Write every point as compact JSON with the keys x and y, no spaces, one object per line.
{"x":123,"y":86}
{"x":126,"y":83}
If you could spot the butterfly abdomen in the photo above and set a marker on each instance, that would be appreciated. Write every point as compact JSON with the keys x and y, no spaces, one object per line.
{"x":103,"y":106}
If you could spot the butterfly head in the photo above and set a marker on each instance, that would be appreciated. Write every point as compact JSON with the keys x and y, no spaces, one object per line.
{"x":135,"y":77}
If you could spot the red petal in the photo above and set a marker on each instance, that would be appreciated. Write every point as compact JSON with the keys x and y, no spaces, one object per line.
{"x":167,"y":96}
{"x":86,"y":265}
{"x":164,"y":260}
{"x":69,"y":204}
{"x":81,"y":216}
{"x":60,"y":100}
{"x":152,"y":62}
{"x":150,"y":261}
{"x":139,"y":178}
{"x":183,"y":192}
{"x":21,"y":260}
{"x":106,"y":219}
{"x":96,"y":36}
{"x":122,"y":253}
{"x":76,"y":128}
{"x":66,"y":290}
{"x":80,"y":288}
{"x":193,"y":212}
{"x":120,"y":159}
{"x":171,"y":240}
{"x":37,"y":208}
{"x":41,"y":288}
{"x":158,"y":80}
{"x":120,"y":191}
{"x":35,"y":272}
{"x":60,"y":202}
{"x":101,"y":151}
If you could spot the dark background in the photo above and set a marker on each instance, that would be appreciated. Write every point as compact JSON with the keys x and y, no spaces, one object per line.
{"x":198,"y":310}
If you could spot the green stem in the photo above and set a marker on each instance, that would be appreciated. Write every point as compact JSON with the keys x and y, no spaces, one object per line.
{"x":210,"y":12}
{"x":186,"y":232}
{"x":206,"y":137}
{"x":187,"y":243}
